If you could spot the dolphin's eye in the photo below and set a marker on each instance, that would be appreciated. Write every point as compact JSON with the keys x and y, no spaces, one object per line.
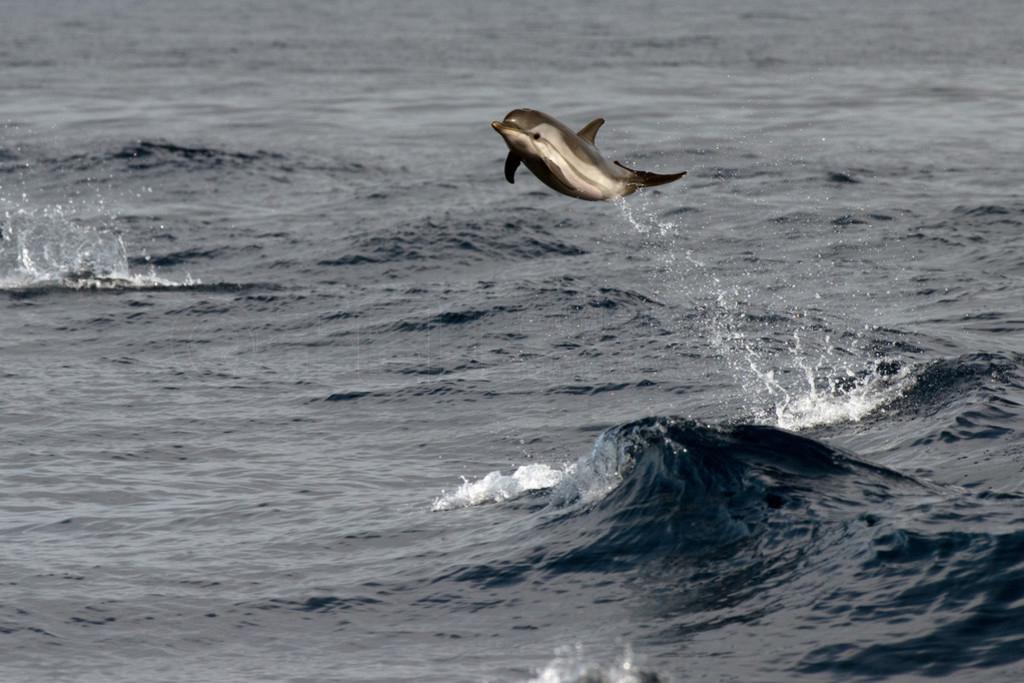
{"x":536,"y":136}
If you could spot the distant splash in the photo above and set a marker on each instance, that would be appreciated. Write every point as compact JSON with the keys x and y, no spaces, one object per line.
{"x":572,"y":665}
{"x":47,"y":248}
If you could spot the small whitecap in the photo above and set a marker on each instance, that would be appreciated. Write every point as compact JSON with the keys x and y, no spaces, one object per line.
{"x":496,"y":487}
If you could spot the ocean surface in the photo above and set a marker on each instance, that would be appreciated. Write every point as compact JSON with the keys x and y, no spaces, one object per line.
{"x":294,"y":386}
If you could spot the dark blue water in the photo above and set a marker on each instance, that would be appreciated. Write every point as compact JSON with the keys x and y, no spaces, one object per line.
{"x":296,"y":387}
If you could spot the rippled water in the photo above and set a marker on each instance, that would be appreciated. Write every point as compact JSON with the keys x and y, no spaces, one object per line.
{"x":297,"y":387}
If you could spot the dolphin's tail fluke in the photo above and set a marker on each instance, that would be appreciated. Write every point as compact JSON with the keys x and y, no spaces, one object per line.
{"x":646,"y":179}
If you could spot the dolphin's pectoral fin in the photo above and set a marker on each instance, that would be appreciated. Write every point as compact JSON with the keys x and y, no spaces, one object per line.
{"x":511,"y":164}
{"x":647,"y":179}
{"x":588,"y":131}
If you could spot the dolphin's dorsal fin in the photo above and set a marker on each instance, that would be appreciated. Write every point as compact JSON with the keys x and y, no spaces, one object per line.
{"x":511,"y":164}
{"x":588,"y":131}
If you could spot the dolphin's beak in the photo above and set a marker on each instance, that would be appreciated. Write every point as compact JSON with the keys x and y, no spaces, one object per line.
{"x":504,"y":128}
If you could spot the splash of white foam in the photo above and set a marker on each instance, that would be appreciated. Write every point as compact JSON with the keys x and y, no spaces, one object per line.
{"x":827,"y":392}
{"x":496,"y":487}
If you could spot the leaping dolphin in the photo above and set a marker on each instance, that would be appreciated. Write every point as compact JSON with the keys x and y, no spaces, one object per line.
{"x":568,"y":162}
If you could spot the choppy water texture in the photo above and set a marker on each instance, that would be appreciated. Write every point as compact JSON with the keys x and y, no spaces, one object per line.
{"x":297,"y":387}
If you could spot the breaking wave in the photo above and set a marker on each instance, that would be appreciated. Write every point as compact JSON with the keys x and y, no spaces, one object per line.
{"x":739,"y":524}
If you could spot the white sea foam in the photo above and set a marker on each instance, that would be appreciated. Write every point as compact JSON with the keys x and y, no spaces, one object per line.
{"x":497,"y":487}
{"x":588,"y":479}
{"x":814,"y":407}
{"x":827,"y":390}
